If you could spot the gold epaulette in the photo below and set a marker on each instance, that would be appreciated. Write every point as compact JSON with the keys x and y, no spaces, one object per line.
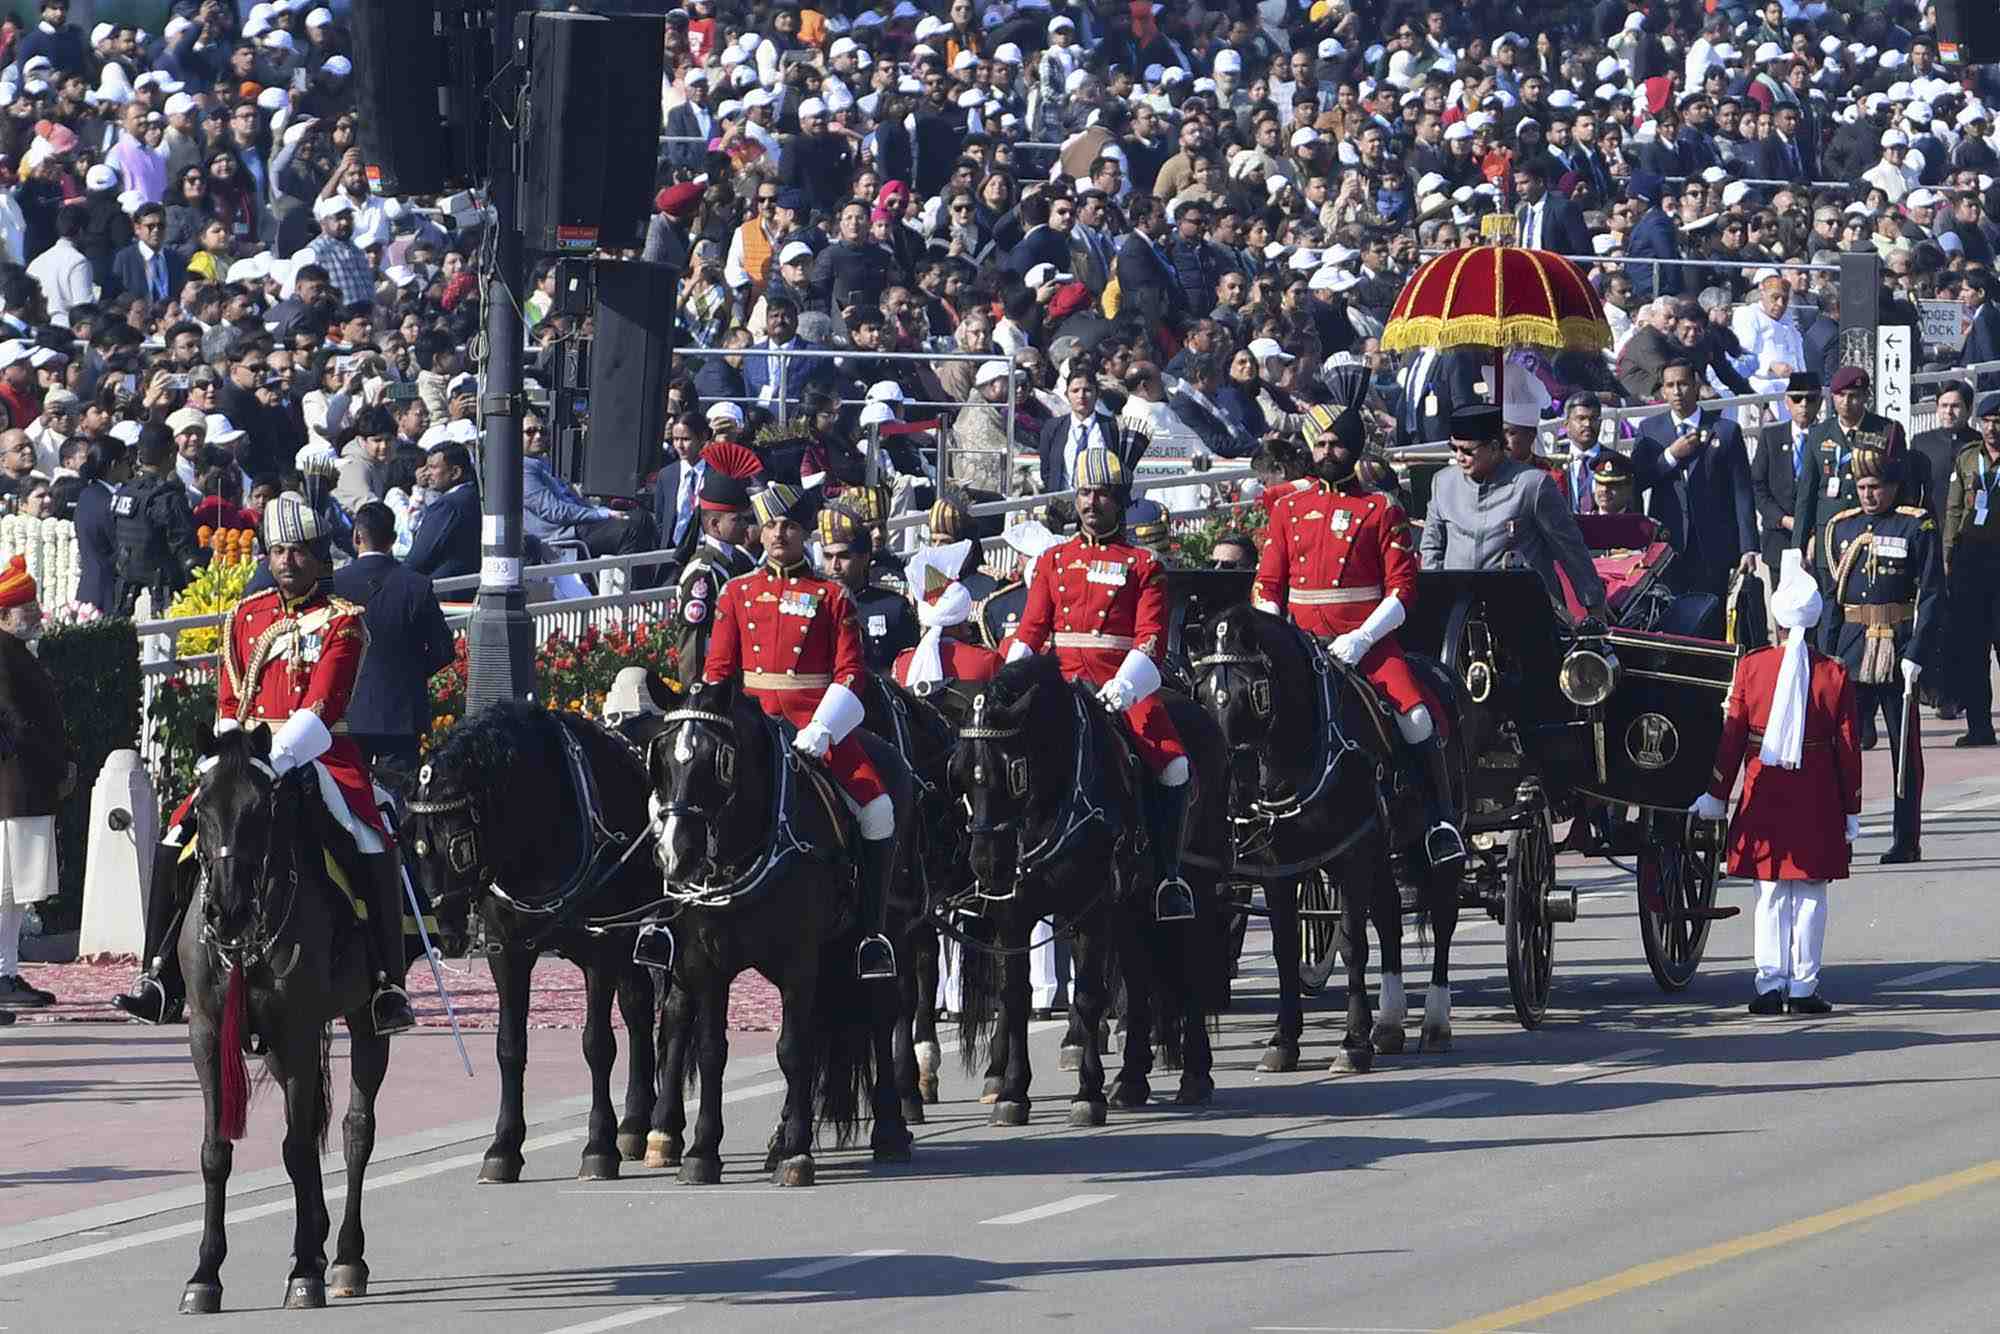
{"x":1914,"y":511}
{"x":1847,"y":513}
{"x":342,"y":607}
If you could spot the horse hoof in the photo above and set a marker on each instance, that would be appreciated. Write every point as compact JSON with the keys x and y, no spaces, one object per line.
{"x":1083,"y":1113}
{"x":1165,"y":1060}
{"x":701,"y":1171}
{"x":1352,"y":1061}
{"x":1130,"y":1093}
{"x":662,"y":1150}
{"x":930,"y":1059}
{"x":1434,"y":1037}
{"x":598,"y":1167}
{"x":632,"y":1145}
{"x":891,"y":1153}
{"x":1069,"y":1058}
{"x":913,"y":1111}
{"x":1388,"y":1039}
{"x":201,"y":1299}
{"x":1279,"y":1060}
{"x":796,"y":1170}
{"x":1198,"y":1094}
{"x":1008,"y":1114}
{"x":344,"y":1281}
{"x":305,"y":1294}
{"x":927,"y":1087}
{"x":989,"y":1093}
{"x":500,"y":1171}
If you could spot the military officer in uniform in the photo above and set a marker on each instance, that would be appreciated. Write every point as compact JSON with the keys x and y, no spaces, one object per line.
{"x":888,"y":622}
{"x":1493,"y":513}
{"x":1342,"y":565}
{"x":1883,"y":563}
{"x":153,"y":529}
{"x":1826,"y":483}
{"x":870,"y":504}
{"x":1100,"y":601}
{"x":951,"y":519}
{"x":1972,"y":563}
{"x":948,"y":652}
{"x":1146,"y":522}
{"x":723,"y":513}
{"x":290,"y":655}
{"x":796,"y":641}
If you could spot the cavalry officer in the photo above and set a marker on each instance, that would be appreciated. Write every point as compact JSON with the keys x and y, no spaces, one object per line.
{"x":1883,"y":562}
{"x":1791,"y":718}
{"x":951,"y":519}
{"x":290,"y":655}
{"x":1343,"y":566}
{"x":888,"y":622}
{"x":723,"y":513}
{"x":946,"y":654}
{"x":795,"y":639}
{"x":1972,"y":560}
{"x":1101,"y":602}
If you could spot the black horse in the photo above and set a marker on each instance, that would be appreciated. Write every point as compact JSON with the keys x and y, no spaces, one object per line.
{"x":539,"y":818}
{"x":1315,"y":758}
{"x":1050,"y":783}
{"x":755,"y":845}
{"x":272,"y":955}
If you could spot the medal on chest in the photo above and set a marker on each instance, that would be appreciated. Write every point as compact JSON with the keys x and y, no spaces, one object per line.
{"x":1342,"y":521}
{"x":1110,"y":573}
{"x":798,"y":604}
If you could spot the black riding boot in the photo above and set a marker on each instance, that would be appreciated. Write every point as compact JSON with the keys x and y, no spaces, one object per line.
{"x":158,"y":995}
{"x":875,"y":957}
{"x":1166,"y":824}
{"x":1443,"y":845}
{"x":389,"y":1007}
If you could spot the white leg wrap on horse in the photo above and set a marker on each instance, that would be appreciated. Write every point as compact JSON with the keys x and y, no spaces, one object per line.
{"x":1395,"y":1005}
{"x":1416,"y":725}
{"x":1437,"y":1004}
{"x":1176,"y":772}
{"x":878,"y":819}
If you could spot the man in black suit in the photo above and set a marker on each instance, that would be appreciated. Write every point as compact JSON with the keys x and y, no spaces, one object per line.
{"x":408,"y":642}
{"x":1782,"y":155}
{"x":691,"y":125}
{"x":1086,"y":425}
{"x":1940,"y":446}
{"x":1435,"y":385}
{"x":1697,"y":472}
{"x":1546,"y":219}
{"x":1146,"y":283}
{"x":1774,"y":472}
{"x":447,"y":540}
{"x":108,"y":465}
{"x":146,"y":267}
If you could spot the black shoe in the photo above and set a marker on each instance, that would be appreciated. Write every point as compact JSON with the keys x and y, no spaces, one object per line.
{"x":1813,"y":1004}
{"x":390,"y":1009}
{"x":6,"y":1018}
{"x":1768,"y":1002}
{"x":1173,"y":901}
{"x":16,"y":994}
{"x":1972,"y":739}
{"x":1868,"y":736}
{"x":149,"y":1003}
{"x":654,"y":947}
{"x":1902,"y":854}
{"x":874,"y":959}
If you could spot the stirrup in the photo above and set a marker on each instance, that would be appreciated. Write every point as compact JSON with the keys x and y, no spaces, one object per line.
{"x":389,"y":1010}
{"x":1173,"y":901}
{"x":874,"y":958}
{"x":654,"y":947}
{"x":1443,"y":845}
{"x":146,"y":1001}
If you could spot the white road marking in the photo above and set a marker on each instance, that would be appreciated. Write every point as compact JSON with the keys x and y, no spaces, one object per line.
{"x":1249,"y":1155}
{"x":1930,"y":974}
{"x":1068,"y":1205}
{"x":1629,"y":1056}
{"x":1437,"y":1104}
{"x":1970,"y":804}
{"x":619,"y":1321}
{"x":818,"y":1267}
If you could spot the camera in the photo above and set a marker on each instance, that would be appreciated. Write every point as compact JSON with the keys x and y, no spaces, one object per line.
{"x":178,"y":383}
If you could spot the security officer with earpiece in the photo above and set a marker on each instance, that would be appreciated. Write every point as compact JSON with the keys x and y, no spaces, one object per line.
{"x":153,"y":528}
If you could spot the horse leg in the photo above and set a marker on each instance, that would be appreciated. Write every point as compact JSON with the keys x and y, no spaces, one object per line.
{"x":703,"y":1164}
{"x":1281,"y":1052}
{"x":1011,"y":1102}
{"x":890,"y":1140}
{"x":1358,"y":895}
{"x":367,"y":1065}
{"x":676,"y":1019}
{"x":902,"y":1034}
{"x":635,"y":1006}
{"x":305,"y":1094}
{"x":600,"y":1052}
{"x":923,"y":1033}
{"x":1385,"y":910}
{"x":511,"y":967}
{"x":1441,"y":898}
{"x":203,"y":1293}
{"x":797,"y":1047}
{"x":1131,"y":1089}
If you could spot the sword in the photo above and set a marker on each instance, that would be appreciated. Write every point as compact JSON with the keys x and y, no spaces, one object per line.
{"x":1903,"y":737}
{"x":430,"y":957}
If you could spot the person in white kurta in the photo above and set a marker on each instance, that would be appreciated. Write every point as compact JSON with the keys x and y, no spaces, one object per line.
{"x":1766,"y":331}
{"x":35,"y":773}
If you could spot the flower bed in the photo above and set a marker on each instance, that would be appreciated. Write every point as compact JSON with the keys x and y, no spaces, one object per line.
{"x":571,"y":672}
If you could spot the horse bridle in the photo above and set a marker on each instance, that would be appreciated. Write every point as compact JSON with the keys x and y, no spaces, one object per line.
{"x":247,"y":953}
{"x":725,"y":759}
{"x":461,"y":846}
{"x":1016,"y":768}
{"x":1324,"y":667}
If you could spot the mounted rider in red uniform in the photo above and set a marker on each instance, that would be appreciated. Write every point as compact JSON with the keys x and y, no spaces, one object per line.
{"x":947,"y":652}
{"x":1342,"y":564}
{"x":1101,"y":602}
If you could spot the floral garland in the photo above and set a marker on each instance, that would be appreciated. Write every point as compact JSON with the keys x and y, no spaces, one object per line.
{"x":49,"y":547}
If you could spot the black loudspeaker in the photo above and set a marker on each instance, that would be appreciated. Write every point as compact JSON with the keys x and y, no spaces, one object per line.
{"x":630,"y":354}
{"x":420,"y":70}
{"x":592,"y":132}
{"x":1972,"y":27}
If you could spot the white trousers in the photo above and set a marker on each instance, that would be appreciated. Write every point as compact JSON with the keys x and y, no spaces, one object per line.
{"x":1791,"y":935}
{"x":1043,"y":981}
{"x":10,"y":939}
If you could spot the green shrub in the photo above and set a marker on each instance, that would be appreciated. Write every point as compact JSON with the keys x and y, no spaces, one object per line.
{"x":96,"y":671}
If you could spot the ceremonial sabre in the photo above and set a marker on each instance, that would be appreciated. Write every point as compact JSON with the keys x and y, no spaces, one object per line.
{"x":1903,"y":738}
{"x":430,"y":957}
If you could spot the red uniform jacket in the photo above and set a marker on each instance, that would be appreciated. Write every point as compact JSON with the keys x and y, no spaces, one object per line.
{"x":1791,"y":823}
{"x":1096,"y":601}
{"x":961,"y":661}
{"x":278,"y":658}
{"x":1328,"y":559}
{"x":792,"y":634}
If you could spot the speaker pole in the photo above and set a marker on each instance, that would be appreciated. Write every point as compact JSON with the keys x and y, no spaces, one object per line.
{"x":500,"y":644}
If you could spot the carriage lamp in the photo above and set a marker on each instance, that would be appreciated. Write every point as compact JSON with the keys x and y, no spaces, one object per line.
{"x":1588,"y":677}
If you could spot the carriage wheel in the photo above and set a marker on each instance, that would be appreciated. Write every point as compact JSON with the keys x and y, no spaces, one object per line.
{"x":1531,"y":874}
{"x":1319,"y":932}
{"x":1683,"y":867}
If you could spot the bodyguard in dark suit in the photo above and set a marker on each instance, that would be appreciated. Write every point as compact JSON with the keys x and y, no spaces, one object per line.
{"x":447,"y":540}
{"x":408,"y":642}
{"x":1435,"y":385}
{"x":105,"y":467}
{"x":1940,"y":446}
{"x":1146,"y":283}
{"x":1698,"y":474}
{"x":1546,"y":218}
{"x":1774,"y":473}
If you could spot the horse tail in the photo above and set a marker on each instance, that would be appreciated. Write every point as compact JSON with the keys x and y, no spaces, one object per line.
{"x":235,"y":1073}
{"x":844,"y":1013}
{"x":980,"y":978}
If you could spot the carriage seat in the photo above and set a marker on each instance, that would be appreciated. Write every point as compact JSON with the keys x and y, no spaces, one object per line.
{"x":1629,"y":551}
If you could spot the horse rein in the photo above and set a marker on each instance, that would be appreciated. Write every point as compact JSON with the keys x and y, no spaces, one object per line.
{"x":239,"y":952}
{"x":1324,"y":666}
{"x":785,"y":844}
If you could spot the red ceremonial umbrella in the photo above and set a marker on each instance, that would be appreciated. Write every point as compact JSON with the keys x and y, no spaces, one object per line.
{"x":1497,"y":296}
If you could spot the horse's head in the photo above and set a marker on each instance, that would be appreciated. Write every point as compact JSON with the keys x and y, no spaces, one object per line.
{"x":240,"y":829}
{"x":449,"y":825}
{"x":1002,"y":762}
{"x":1234,"y":677}
{"x":700,"y":765}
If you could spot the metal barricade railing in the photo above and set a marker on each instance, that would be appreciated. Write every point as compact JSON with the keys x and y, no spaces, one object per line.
{"x":1923,"y":408}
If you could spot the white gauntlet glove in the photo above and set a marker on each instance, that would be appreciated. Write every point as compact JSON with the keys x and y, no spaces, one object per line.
{"x":1911,"y":671}
{"x":1351,"y":648}
{"x":1707,"y":807}
{"x":1115,"y":695}
{"x":814,"y":740}
{"x":1853,"y":828}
